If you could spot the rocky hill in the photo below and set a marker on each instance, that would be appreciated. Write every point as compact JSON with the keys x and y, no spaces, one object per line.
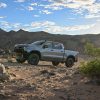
{"x":74,"y":42}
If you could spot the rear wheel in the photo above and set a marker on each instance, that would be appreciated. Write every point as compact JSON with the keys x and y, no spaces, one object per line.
{"x":33,"y":59}
{"x":55,"y":63}
{"x":69,"y":62}
{"x":20,"y":58}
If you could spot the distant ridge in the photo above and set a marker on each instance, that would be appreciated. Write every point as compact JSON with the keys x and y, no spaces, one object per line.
{"x":74,"y":42}
{"x":1,"y":30}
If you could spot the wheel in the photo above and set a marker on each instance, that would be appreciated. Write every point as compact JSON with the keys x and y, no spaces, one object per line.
{"x":20,"y":58}
{"x":69,"y":62}
{"x":33,"y":59}
{"x":55,"y":63}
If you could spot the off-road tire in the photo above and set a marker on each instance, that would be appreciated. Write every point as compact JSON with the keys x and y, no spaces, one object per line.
{"x":33,"y":59}
{"x":69,"y":62}
{"x":55,"y":63}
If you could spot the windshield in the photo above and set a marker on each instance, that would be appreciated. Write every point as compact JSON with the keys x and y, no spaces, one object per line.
{"x":38,"y":42}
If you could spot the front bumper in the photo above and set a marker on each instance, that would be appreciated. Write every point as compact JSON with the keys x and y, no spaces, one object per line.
{"x":19,"y":50}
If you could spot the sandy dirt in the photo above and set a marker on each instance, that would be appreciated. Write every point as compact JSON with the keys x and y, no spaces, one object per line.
{"x":47,"y":82}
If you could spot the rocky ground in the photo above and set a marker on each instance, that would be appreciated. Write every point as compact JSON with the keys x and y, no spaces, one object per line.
{"x":46,"y":82}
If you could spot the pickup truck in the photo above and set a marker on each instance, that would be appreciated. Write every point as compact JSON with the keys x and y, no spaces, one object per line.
{"x":45,"y":51}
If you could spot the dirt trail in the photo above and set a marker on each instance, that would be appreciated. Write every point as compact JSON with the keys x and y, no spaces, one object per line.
{"x":46,"y":82}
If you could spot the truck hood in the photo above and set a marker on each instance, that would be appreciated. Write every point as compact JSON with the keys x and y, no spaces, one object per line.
{"x":21,"y":45}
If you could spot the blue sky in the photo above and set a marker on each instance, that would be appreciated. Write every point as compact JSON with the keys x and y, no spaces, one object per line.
{"x":53,"y":16}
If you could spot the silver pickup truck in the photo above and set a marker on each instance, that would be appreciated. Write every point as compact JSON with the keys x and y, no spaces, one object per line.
{"x":45,"y":51}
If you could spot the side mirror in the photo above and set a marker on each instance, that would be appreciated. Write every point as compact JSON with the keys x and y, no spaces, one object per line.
{"x":45,"y":46}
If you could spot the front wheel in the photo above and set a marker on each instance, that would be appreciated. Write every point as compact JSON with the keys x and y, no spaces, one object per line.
{"x":55,"y":63}
{"x":69,"y":62}
{"x":33,"y":59}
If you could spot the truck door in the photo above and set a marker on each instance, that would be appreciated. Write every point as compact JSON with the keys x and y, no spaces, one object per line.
{"x":58,"y":52}
{"x":46,"y":52}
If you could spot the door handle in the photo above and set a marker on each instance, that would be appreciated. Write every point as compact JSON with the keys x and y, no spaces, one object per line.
{"x":52,"y":50}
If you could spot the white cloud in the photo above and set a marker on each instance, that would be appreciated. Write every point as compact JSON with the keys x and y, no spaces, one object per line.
{"x":78,"y":5}
{"x":16,"y":25}
{"x":74,"y":1}
{"x":54,"y":6}
{"x":91,"y":16}
{"x":33,"y":4}
{"x":54,"y":28}
{"x":3,"y":5}
{"x":20,"y":0}
{"x":36,"y":16}
{"x":94,"y":8}
{"x":1,"y":17}
{"x":8,"y":25}
{"x":93,"y":30}
{"x":42,"y":24}
{"x":45,"y":12}
{"x":30,"y":8}
{"x":5,"y":25}
{"x":68,"y":29}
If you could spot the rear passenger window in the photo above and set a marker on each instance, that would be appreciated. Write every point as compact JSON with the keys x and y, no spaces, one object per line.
{"x":57,"y":46}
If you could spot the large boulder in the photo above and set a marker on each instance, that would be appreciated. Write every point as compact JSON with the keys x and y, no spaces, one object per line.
{"x":2,"y":69}
{"x":4,"y":76}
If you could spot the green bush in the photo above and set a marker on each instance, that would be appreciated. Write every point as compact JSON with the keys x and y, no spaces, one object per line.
{"x":90,"y":49}
{"x":91,"y":68}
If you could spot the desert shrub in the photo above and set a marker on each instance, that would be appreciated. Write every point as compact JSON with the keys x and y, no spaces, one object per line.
{"x":90,"y":49}
{"x":91,"y":68}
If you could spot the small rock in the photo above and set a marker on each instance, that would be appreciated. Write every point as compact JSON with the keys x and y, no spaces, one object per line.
{"x":9,"y":60}
{"x":76,"y":72}
{"x":6,"y":67}
{"x":61,"y":70}
{"x":46,"y":73}
{"x":51,"y":73}
{"x":43,"y":71}
{"x":31,"y":86}
{"x":68,"y":77}
{"x":93,"y":82}
{"x":4,"y":77}
{"x":3,"y":97}
{"x":62,"y":98}
{"x":74,"y":83}
{"x":12,"y":74}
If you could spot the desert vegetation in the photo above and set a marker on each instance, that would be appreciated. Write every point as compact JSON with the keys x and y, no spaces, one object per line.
{"x":92,"y":67}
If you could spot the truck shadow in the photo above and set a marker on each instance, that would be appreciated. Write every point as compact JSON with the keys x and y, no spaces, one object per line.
{"x":15,"y":64}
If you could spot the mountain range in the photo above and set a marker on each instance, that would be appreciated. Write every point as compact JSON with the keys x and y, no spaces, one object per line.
{"x":73,"y":42}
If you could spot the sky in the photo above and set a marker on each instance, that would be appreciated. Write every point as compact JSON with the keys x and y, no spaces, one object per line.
{"x":73,"y":17}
